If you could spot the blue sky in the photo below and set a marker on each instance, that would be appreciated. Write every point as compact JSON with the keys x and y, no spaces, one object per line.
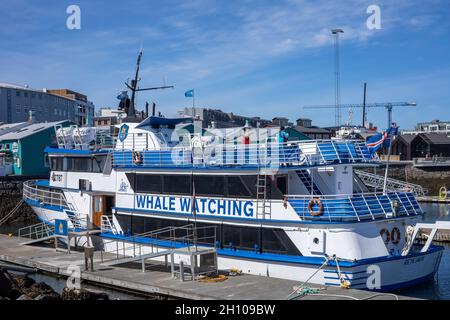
{"x":265,"y":58}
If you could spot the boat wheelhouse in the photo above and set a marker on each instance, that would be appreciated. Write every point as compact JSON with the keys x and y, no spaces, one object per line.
{"x":292,"y":210}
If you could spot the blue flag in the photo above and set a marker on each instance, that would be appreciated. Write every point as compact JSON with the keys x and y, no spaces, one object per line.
{"x":189,"y":94}
{"x":122,"y":95}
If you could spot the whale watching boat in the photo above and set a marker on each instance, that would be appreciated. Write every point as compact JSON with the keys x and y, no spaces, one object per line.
{"x":293,"y":210}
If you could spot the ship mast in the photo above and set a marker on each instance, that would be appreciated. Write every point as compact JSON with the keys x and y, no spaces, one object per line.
{"x":133,"y":86}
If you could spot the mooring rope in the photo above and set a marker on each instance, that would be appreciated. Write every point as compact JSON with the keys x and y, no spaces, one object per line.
{"x":11,"y":213}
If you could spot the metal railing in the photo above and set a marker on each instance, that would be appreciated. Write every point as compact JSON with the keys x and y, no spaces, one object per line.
{"x":392,"y":185}
{"x":355,"y":207}
{"x":78,"y":220}
{"x":434,"y":161}
{"x":298,"y":153}
{"x":36,"y":231}
{"x":74,"y":137}
{"x":42,"y":195}
{"x":106,"y":226}
{"x":167,"y":238}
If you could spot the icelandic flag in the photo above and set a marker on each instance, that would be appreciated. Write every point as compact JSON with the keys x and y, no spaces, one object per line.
{"x":383,"y":139}
{"x":189,"y":94}
{"x":376,"y":141}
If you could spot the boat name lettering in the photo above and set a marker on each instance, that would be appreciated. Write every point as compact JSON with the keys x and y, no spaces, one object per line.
{"x":413,"y":260}
{"x":207,"y":206}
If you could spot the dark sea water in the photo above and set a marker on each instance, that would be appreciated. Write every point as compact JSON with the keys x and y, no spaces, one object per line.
{"x":439,"y":288}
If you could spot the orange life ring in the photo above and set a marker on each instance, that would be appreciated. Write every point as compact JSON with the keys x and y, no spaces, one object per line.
{"x":395,"y":235}
{"x":312,"y":202}
{"x":385,"y":235}
{"x":137,"y":157}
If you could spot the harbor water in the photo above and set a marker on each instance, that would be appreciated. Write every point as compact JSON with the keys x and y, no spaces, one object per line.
{"x":438,"y":289}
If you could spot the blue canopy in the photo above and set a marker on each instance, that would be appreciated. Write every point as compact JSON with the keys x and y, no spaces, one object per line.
{"x":159,"y":121}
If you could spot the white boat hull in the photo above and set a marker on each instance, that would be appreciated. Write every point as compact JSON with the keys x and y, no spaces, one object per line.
{"x":386,"y":274}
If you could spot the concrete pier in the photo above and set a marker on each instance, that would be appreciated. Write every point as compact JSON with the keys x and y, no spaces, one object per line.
{"x":157,"y":278}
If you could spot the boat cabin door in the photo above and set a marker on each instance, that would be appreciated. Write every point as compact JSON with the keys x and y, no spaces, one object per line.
{"x":102,"y":206}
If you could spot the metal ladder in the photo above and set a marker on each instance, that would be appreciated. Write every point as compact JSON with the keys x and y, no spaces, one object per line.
{"x":263,"y":205}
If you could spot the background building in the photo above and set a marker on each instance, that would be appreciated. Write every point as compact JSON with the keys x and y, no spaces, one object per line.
{"x":434,"y":126}
{"x":22,"y":145}
{"x":281,"y":122}
{"x":305,"y":127}
{"x":422,"y":145}
{"x":106,"y":118}
{"x":16,"y":102}
{"x":209,"y":118}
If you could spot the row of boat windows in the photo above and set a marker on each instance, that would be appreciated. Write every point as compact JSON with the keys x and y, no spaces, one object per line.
{"x":205,"y":185}
{"x":256,"y":239}
{"x":78,"y":164}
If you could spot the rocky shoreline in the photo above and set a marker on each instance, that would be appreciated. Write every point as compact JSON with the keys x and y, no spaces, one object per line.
{"x":22,"y":287}
{"x":24,"y":215}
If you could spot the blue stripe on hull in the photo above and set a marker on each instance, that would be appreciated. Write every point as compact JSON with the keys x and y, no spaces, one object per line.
{"x":243,"y":254}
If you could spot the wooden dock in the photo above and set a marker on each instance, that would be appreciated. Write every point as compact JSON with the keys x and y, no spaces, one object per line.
{"x":441,"y":236}
{"x":157,"y":278}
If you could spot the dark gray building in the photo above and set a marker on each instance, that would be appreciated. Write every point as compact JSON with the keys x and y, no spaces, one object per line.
{"x":16,"y":102}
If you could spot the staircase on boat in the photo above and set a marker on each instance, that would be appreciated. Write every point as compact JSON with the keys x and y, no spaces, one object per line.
{"x":308,"y":182}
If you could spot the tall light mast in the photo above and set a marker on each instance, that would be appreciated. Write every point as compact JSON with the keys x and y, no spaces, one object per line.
{"x":337,"y":77}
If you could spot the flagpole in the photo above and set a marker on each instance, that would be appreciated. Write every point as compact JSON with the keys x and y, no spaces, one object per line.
{"x":193,"y":106}
{"x":387,"y":169}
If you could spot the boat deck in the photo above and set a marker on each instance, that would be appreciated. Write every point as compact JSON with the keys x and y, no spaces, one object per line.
{"x":157,"y":280}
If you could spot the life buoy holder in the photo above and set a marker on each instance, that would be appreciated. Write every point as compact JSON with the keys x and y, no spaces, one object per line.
{"x":313,"y":202}
{"x":137,"y":157}
{"x":385,"y":235}
{"x":443,"y":193}
{"x":395,"y":235}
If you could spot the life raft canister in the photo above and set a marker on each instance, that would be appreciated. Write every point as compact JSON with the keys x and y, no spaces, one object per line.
{"x":395,"y":235}
{"x":137,"y":157}
{"x":312,"y":202}
{"x":385,"y":235}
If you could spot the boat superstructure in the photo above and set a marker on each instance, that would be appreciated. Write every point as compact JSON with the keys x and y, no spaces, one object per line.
{"x":292,"y":210}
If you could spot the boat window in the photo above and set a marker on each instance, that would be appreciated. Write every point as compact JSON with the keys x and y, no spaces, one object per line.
{"x":177,"y":184}
{"x":98,"y":163}
{"x":272,"y":190}
{"x":277,"y":241}
{"x":56,"y":163}
{"x":210,"y":185}
{"x":246,"y":238}
{"x":237,"y":188}
{"x":250,"y":183}
{"x":79,"y":164}
{"x":151,"y":183}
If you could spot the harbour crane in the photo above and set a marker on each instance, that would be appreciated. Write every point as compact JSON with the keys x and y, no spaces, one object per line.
{"x":388,"y":105}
